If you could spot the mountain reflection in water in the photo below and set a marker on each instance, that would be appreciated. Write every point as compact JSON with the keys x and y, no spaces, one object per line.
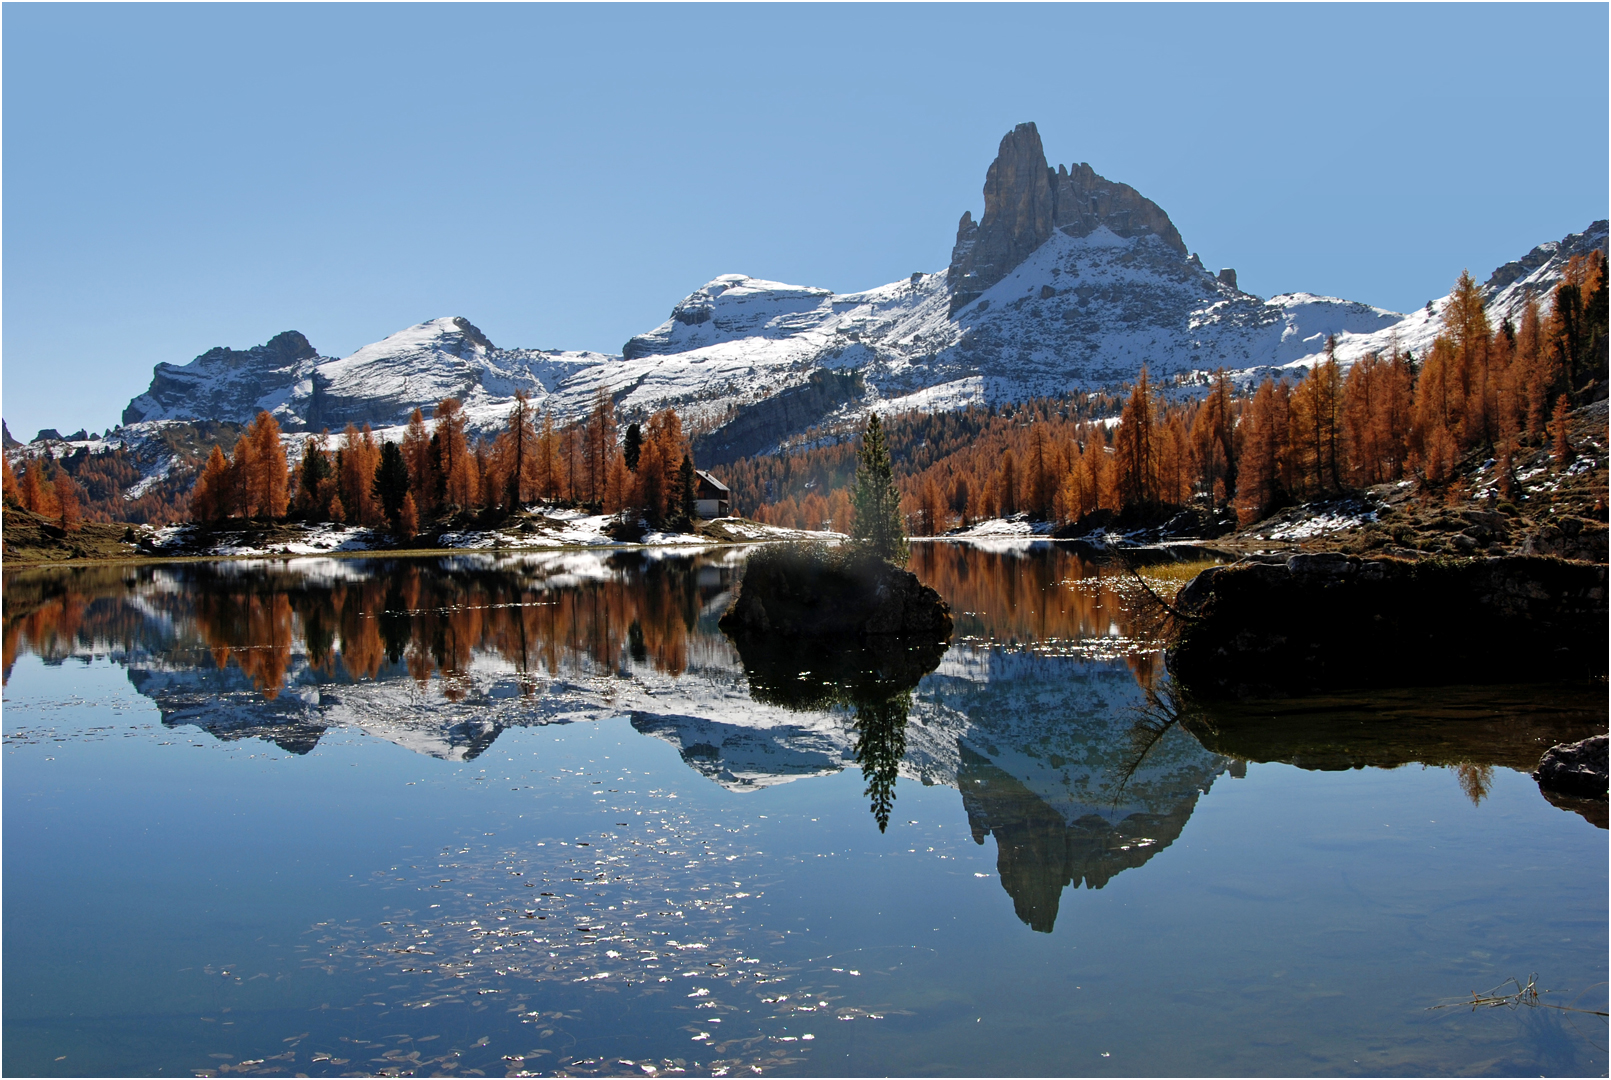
{"x":1033,"y":715}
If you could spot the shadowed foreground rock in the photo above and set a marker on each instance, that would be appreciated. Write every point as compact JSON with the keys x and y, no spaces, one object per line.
{"x":1332,"y":622}
{"x":1576,"y":769}
{"x":808,"y":591}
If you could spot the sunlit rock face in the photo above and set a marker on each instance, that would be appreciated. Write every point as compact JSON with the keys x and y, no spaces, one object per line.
{"x":223,"y":383}
{"x":1025,"y":202}
{"x":379,"y":384}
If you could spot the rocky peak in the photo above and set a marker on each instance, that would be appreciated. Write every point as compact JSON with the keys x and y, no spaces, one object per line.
{"x":223,"y":383}
{"x":1025,"y":201}
{"x":1086,"y":201}
{"x":1558,"y":252}
{"x":1018,"y":217}
{"x":284,"y":348}
{"x":471,"y":333}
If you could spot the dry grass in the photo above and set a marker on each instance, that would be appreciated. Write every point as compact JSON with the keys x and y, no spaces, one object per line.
{"x":1166,"y":579}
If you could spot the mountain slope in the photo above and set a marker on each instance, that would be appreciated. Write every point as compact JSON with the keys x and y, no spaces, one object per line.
{"x":1535,"y":274}
{"x":1068,"y":280}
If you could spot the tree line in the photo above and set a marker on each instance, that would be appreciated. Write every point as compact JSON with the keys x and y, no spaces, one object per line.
{"x":1478,"y":388}
{"x":111,"y":484}
{"x":44,"y":488}
{"x":437,"y":468}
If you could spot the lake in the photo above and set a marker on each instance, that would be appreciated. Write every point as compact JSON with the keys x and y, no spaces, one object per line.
{"x":476,"y":815}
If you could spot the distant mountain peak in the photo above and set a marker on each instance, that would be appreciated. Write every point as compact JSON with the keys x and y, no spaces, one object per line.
{"x":221,"y":381}
{"x":727,"y":307}
{"x":1555,"y":251}
{"x":1026,"y":201}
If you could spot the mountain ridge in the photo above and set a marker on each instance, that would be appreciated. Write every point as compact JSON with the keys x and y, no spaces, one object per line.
{"x":1067,"y":281}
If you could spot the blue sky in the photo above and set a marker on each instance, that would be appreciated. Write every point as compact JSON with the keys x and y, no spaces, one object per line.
{"x":179,"y":177}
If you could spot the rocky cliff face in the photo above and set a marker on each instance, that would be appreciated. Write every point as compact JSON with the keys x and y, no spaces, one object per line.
{"x":1025,"y":201}
{"x":1556,"y":253}
{"x":220,"y":382}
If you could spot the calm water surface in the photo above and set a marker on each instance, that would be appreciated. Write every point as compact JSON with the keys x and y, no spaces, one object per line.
{"x":485,"y":816}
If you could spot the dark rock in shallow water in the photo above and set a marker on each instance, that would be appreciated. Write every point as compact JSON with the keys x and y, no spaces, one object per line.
{"x":817,"y":627}
{"x":1575,"y":769}
{"x":1332,"y":621}
{"x":797,"y":591}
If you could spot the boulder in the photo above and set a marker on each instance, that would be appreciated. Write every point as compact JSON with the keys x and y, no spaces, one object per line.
{"x":1577,"y":769}
{"x":812,"y":591}
{"x":1568,"y":538}
{"x":1333,"y":622}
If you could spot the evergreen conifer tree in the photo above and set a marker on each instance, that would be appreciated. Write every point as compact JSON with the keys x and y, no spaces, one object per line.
{"x":391,"y":483}
{"x":686,"y":492}
{"x":878,"y":526}
{"x":632,"y":446}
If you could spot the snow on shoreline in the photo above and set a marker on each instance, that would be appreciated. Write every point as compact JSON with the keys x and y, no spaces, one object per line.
{"x":552,"y":530}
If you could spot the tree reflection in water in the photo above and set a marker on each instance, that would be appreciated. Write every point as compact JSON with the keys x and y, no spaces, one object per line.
{"x":874,"y":676}
{"x":1034,"y":718}
{"x":217,"y":644}
{"x":1470,"y":730}
{"x":880,"y":728}
{"x":432,"y":615}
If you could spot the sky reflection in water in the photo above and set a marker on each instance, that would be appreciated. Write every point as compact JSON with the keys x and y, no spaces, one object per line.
{"x":456,"y":875}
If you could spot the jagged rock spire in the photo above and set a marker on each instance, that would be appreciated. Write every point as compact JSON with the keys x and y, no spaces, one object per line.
{"x":1025,"y":201}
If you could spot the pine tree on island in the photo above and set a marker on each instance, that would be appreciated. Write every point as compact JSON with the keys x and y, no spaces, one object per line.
{"x":878,"y":526}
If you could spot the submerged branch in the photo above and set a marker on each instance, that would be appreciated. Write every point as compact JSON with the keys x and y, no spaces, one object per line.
{"x":1523,"y":995}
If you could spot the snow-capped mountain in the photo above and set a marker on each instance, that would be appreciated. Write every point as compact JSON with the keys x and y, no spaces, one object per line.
{"x":379,"y":384}
{"x":1068,"y":280}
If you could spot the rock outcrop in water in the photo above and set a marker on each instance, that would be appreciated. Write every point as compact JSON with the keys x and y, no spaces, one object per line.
{"x":1577,"y":769}
{"x":818,"y":626}
{"x":807,"y":591}
{"x":1330,"y":621}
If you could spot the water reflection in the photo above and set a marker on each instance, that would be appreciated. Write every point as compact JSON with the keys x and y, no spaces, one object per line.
{"x":1471,"y":730}
{"x":1048,"y":715}
{"x":549,"y":909}
{"x":874,"y":678}
{"x":437,"y":654}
